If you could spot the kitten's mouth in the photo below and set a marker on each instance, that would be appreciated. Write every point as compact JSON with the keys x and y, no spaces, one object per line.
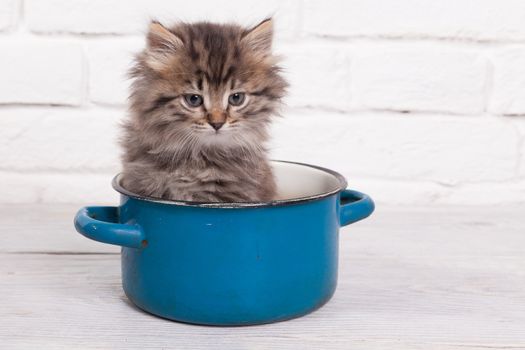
{"x":213,"y":136}
{"x":220,"y":131}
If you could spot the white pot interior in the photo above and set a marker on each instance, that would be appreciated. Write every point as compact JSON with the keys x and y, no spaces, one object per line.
{"x":295,"y":182}
{"x":299,"y":181}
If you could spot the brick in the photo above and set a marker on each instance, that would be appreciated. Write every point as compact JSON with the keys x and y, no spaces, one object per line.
{"x":8,"y":13}
{"x":467,"y":19}
{"x":486,"y":194}
{"x":420,"y":79}
{"x":521,"y":129}
{"x":405,"y":193}
{"x":59,"y":139}
{"x":445,"y":150}
{"x":85,"y":188}
{"x":508,"y":92}
{"x":41,"y":72}
{"x":318,"y":76}
{"x":80,"y":188}
{"x":126,"y":17}
{"x":17,"y":188}
{"x":85,"y":16}
{"x":389,"y":192}
{"x":109,"y":61}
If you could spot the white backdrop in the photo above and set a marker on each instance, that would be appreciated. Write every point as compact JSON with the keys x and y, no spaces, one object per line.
{"x":414,"y":101}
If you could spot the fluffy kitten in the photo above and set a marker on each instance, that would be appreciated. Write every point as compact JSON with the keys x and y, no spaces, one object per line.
{"x":202,"y":99}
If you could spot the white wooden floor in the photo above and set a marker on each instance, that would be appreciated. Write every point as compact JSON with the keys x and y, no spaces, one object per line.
{"x":447,"y":278}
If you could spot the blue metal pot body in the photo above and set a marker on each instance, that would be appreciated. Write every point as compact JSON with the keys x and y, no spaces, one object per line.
{"x":227,"y":265}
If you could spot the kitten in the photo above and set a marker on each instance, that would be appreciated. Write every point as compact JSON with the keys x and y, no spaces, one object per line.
{"x":201,"y":102}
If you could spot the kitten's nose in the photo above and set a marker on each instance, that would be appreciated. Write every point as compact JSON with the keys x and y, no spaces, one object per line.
{"x":216,"y":126}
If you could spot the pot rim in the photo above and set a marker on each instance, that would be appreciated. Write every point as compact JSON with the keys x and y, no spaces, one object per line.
{"x":278,"y":202}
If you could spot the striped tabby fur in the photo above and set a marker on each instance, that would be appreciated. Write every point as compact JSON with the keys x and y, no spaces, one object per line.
{"x":172,"y":150}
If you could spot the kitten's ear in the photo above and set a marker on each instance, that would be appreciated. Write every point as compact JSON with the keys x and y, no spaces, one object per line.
{"x":161,"y":43}
{"x":259,"y":38}
{"x":160,"y":38}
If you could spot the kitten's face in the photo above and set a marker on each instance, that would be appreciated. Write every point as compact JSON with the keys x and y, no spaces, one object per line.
{"x":206,"y":85}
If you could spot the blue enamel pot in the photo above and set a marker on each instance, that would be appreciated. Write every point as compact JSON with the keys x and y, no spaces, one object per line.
{"x":232,"y":264}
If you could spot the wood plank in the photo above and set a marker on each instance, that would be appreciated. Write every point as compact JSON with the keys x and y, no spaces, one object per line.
{"x":67,"y":301}
{"x":410,"y":278}
{"x":44,"y":228}
{"x":49,"y":228}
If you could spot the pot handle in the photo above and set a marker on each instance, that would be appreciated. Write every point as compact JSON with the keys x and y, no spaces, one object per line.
{"x":355,"y":206}
{"x":101,"y":224}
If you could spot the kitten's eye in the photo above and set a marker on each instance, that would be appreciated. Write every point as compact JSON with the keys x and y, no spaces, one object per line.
{"x":236,"y":99}
{"x":193,"y":100}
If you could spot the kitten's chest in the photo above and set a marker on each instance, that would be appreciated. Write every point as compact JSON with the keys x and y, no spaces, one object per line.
{"x":214,"y":174}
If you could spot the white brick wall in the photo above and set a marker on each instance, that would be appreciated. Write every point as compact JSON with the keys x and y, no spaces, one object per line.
{"x":127,"y":17}
{"x":509,"y":81}
{"x":109,"y":61}
{"x":446,"y":19}
{"x":443,"y":149}
{"x":8,"y":13}
{"x":420,"y":79}
{"x":59,"y":139}
{"x":323,"y":79}
{"x":414,"y":101}
{"x":521,"y":162}
{"x":41,"y":71}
